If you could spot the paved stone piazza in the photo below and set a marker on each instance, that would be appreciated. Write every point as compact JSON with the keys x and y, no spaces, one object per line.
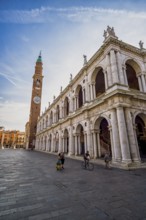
{"x":32,"y":189}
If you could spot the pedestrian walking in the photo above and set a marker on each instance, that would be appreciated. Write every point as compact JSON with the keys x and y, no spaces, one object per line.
{"x":59,"y":163}
{"x":62,"y":159}
{"x":107,"y":160}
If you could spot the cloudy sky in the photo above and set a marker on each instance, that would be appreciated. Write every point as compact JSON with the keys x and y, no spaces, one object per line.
{"x":63,"y":30}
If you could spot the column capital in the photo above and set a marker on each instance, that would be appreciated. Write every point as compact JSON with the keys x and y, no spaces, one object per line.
{"x":95,"y":130}
{"x":109,"y":128}
{"x":124,"y":66}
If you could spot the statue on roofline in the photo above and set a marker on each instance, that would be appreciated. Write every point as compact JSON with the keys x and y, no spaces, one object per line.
{"x":85,"y":59}
{"x":141,"y":44}
{"x":109,"y":32}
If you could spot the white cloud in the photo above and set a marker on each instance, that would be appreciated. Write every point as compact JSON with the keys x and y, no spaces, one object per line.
{"x":82,"y":14}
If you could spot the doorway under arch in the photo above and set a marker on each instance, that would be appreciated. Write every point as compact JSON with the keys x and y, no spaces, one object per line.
{"x":141,"y":135}
{"x":105,"y":142}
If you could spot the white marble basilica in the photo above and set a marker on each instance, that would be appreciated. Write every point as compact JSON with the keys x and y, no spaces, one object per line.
{"x":102,"y":109}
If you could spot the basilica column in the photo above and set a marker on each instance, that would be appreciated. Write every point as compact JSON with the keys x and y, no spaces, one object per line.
{"x":98,"y":143}
{"x":63,"y":143}
{"x":114,"y":67}
{"x":121,"y":75}
{"x":132,"y":139}
{"x":123,"y":135}
{"x":79,"y":144}
{"x":85,"y":141}
{"x":90,"y":96}
{"x":60,"y":141}
{"x":76,"y":144}
{"x":91,"y":91}
{"x":125,"y":75}
{"x":108,"y":68}
{"x":71,"y":147}
{"x":112,"y":145}
{"x":115,"y":133}
{"x":140,"y":83}
{"x":89,"y":146}
{"x":94,"y":133}
{"x":87,"y":91}
{"x":76,"y":102}
{"x":105,"y":79}
{"x":83,"y":92}
{"x":143,"y":82}
{"x":94,"y":93}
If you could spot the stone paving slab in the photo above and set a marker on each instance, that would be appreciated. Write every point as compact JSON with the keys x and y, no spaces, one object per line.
{"x":32,"y":189}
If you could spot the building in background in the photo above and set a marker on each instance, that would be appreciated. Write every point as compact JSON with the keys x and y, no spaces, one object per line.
{"x":11,"y":139}
{"x":103,"y":109}
{"x":35,"y":106}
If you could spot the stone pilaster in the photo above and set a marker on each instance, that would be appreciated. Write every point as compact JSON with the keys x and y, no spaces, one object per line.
{"x":140,"y":83}
{"x":94,"y":135}
{"x":76,"y":145}
{"x":108,"y":68}
{"x":125,"y":75}
{"x":121,"y":75}
{"x":114,"y":67}
{"x":143,"y":82}
{"x":115,"y":133}
{"x":98,"y":143}
{"x":132,"y":139}
{"x":123,"y":136}
{"x":105,"y":79}
{"x":71,"y":149}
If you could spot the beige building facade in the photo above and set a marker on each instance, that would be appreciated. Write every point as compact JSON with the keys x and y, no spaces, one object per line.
{"x":11,"y":138}
{"x":103,"y":109}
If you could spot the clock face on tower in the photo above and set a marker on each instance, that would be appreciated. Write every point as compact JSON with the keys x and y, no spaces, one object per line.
{"x":37,"y":100}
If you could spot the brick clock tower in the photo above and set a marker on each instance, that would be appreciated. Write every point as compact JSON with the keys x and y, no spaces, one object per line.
{"x":35,"y":107}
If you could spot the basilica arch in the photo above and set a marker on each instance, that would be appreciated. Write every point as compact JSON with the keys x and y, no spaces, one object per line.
{"x":132,"y":71}
{"x":66,"y":107}
{"x":102,"y":142}
{"x":79,"y":97}
{"x":98,"y":81}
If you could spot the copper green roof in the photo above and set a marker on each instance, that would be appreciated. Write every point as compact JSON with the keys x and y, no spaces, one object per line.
{"x":39,"y":58}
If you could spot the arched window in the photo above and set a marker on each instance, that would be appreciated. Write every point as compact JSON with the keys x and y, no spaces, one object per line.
{"x":80,"y":97}
{"x":99,"y":83}
{"x":131,"y":77}
{"x":57,"y":113}
{"x":66,"y":107}
{"x":51,"y":118}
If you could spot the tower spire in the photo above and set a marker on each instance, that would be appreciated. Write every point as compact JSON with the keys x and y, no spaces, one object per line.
{"x":39,"y":58}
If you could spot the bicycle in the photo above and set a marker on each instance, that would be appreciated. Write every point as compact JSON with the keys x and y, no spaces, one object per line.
{"x":87,"y":166}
